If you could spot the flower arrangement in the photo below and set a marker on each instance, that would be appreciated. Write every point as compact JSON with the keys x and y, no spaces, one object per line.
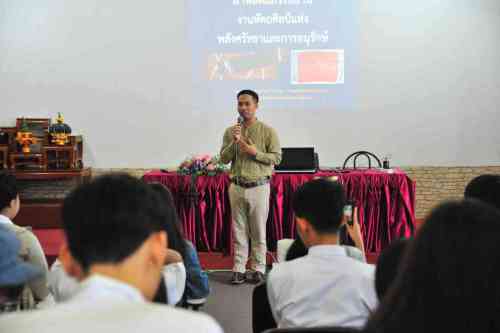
{"x":202,"y":165}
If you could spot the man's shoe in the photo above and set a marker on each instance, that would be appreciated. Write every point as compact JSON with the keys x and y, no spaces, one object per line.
{"x":256,"y":278}
{"x":238,"y":278}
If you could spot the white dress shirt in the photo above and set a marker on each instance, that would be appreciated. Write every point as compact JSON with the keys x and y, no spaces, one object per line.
{"x":107,"y":305}
{"x":63,"y":287}
{"x":324,"y":288}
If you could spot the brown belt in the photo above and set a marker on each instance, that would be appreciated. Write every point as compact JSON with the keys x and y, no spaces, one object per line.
{"x":256,"y":183}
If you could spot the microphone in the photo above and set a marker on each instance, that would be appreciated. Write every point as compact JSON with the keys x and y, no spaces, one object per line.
{"x":239,"y":121}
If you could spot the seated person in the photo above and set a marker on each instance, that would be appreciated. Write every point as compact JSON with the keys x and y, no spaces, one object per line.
{"x":14,"y":273}
{"x":173,"y":283}
{"x":116,"y":248}
{"x":63,"y":286}
{"x":326,"y":287}
{"x":37,"y":294}
{"x":348,"y":233}
{"x":449,"y":280}
{"x":197,"y":287}
{"x":388,"y":266}
{"x":485,"y":188}
{"x":262,"y":317}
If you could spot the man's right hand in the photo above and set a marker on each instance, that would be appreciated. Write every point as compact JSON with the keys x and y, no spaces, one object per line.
{"x":236,"y":133}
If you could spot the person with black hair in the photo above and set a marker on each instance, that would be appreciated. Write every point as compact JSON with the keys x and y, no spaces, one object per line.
{"x":116,"y":247}
{"x":262,"y":317}
{"x":173,"y":284}
{"x":485,"y":188}
{"x":298,"y":250}
{"x":253,"y":149}
{"x":197,"y":285}
{"x":349,"y":236}
{"x":326,"y":287}
{"x":388,"y":266}
{"x":449,"y":278}
{"x":37,"y":294}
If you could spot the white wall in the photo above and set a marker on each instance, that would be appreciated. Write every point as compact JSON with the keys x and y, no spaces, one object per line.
{"x":119,"y":71}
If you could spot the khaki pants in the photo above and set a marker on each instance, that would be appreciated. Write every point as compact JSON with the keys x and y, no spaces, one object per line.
{"x":249,"y":209}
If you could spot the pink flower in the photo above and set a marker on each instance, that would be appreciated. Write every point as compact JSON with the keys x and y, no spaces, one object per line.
{"x":211,"y":167}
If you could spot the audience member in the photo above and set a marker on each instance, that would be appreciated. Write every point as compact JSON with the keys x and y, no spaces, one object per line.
{"x":197,"y":286}
{"x":449,"y":278}
{"x":14,"y":273}
{"x":63,"y":286}
{"x":353,"y":232}
{"x":262,"y":317}
{"x":485,"y":188}
{"x":117,"y":245}
{"x":388,"y":266}
{"x":326,"y":287}
{"x":173,"y":283}
{"x":37,"y":293}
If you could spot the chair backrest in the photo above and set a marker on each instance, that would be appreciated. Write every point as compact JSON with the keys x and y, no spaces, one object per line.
{"x":283,"y":246}
{"x":161,"y":294}
{"x":314,"y":330}
{"x":262,"y":316}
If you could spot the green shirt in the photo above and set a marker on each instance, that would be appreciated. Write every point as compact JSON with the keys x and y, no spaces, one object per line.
{"x":251,"y":168}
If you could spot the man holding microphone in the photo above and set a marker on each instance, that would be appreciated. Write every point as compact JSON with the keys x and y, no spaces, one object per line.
{"x":253,"y":149}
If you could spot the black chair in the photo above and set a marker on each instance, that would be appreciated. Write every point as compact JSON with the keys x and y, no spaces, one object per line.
{"x":314,"y":330}
{"x":262,"y":316}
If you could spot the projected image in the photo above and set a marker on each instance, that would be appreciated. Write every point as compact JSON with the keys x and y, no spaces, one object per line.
{"x":255,"y":65}
{"x":300,"y":54}
{"x":317,"y":67}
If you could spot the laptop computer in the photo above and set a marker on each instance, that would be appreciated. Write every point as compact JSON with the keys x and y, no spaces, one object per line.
{"x":298,"y":160}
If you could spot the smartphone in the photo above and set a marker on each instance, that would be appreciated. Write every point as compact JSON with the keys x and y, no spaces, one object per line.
{"x":348,"y":212}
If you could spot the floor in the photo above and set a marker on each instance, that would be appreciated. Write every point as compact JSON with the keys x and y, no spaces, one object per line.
{"x":230,"y":305}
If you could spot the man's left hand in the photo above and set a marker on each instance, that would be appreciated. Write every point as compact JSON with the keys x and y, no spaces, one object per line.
{"x":247,"y":146}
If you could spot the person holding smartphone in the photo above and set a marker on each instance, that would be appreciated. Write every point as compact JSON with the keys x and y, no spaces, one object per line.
{"x":350,"y":238}
{"x":326,"y":287}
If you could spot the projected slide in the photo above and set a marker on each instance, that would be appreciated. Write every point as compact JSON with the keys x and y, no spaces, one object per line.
{"x":295,"y":53}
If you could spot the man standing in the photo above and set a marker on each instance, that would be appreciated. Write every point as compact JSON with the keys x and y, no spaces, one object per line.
{"x":253,"y":149}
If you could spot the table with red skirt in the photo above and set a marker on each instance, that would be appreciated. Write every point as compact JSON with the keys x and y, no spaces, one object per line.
{"x":385,"y":200}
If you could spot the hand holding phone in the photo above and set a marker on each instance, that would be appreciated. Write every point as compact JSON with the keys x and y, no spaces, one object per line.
{"x":348,"y":213}
{"x":353,"y":227}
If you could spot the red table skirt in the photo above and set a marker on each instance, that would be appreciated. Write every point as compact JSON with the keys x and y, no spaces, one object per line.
{"x":386,"y":204}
